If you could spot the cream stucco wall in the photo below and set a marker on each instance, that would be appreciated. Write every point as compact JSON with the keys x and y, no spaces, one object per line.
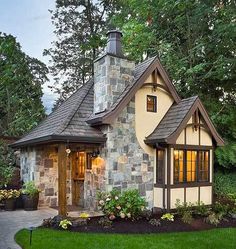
{"x":192,"y":136}
{"x":206,"y":195}
{"x":176,"y":194}
{"x":158,"y":197}
{"x":146,"y":122}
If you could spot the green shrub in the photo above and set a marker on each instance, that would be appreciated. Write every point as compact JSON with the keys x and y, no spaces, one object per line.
{"x":201,"y":209}
{"x":221,"y":208}
{"x":65,"y":224}
{"x":187,"y":217}
{"x":128,"y":204}
{"x":213,"y":219}
{"x":225,"y":184}
{"x":182,"y":208}
{"x":29,"y":188}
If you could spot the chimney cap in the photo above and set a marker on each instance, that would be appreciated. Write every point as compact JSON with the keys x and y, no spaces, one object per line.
{"x":114,"y":43}
{"x":114,"y":31}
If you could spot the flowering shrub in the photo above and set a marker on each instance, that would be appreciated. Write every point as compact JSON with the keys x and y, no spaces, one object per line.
{"x":128,"y":204}
{"x":9,"y":194}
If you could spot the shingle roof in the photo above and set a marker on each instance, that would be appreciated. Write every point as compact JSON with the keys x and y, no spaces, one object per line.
{"x":172,"y":120}
{"x":68,"y":119}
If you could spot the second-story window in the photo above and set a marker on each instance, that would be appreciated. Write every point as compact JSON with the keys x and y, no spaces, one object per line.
{"x":151,"y":103}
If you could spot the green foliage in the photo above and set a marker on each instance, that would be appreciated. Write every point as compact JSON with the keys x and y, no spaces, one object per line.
{"x":187,"y":217}
{"x":128,"y":204}
{"x":80,"y":27}
{"x":65,"y":224}
{"x":29,"y":188}
{"x":7,"y":162}
{"x":221,"y":208}
{"x":201,"y":209}
{"x":214,"y":219}
{"x":183,"y":208}
{"x":167,"y":216}
{"x":21,"y":80}
{"x":225,"y":184}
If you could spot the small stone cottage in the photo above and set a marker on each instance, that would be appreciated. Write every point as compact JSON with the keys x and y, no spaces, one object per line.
{"x":125,"y":128}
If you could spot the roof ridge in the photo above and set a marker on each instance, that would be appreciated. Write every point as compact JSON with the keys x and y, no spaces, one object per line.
{"x":63,"y":126}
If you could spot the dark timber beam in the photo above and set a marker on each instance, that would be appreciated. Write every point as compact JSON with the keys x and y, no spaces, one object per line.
{"x":62,"y":179}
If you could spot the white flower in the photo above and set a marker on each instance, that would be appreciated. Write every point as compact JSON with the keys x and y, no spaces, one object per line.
{"x":142,"y":208}
{"x":122,"y":215}
{"x":118,"y":207}
{"x":108,"y":199}
{"x":101,"y":202}
{"x":129,"y":215}
{"x":116,"y":197}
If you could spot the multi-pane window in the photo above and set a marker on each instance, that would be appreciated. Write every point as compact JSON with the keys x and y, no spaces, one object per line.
{"x":160,"y":166}
{"x":151,"y":103}
{"x":178,"y":165}
{"x":203,"y":166}
{"x":191,"y":166}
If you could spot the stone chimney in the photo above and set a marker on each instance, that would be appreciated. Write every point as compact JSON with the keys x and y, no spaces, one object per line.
{"x":112,"y":73}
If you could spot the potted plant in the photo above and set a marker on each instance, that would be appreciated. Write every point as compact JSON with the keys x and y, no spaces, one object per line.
{"x":30,"y":196}
{"x":10,"y":197}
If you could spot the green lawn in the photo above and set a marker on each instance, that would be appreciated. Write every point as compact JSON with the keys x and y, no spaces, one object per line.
{"x":51,"y":239}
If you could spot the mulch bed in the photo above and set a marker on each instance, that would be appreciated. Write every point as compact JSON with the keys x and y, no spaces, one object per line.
{"x":141,"y":226}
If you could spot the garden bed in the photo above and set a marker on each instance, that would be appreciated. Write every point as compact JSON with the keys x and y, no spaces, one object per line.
{"x":142,"y":226}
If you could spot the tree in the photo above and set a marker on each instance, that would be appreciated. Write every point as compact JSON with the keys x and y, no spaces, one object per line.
{"x":196,"y":42}
{"x":21,"y":79}
{"x":80,"y":26}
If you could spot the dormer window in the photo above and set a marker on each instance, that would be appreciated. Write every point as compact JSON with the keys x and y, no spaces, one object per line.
{"x":151,"y":103}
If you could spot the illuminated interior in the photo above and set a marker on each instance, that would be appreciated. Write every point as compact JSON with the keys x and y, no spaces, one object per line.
{"x":179,"y":165}
{"x":191,"y":165}
{"x":81,"y":160}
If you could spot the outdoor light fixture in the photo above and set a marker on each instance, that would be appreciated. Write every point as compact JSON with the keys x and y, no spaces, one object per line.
{"x":31,"y":233}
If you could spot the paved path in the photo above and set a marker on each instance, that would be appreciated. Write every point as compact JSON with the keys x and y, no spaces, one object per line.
{"x":11,"y":222}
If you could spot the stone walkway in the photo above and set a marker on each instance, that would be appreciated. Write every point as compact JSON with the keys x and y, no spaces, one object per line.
{"x":11,"y":222}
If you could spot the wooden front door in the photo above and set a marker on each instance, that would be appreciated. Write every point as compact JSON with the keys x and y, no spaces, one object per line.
{"x":78,"y":170}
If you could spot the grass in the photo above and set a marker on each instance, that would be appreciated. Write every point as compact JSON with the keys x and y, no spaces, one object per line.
{"x":53,"y":239}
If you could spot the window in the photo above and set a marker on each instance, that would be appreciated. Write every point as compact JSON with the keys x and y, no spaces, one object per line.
{"x":178,"y":166}
{"x":89,"y":161}
{"x":151,"y":103}
{"x":191,"y":166}
{"x":203,"y":169}
{"x":160,"y":166}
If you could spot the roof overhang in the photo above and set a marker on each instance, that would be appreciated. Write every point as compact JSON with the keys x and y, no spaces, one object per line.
{"x":171,"y":139}
{"x":59,"y":139}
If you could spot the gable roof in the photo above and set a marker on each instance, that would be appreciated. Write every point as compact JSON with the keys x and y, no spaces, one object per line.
{"x":141,"y":73}
{"x":67,"y":122}
{"x":176,"y":118}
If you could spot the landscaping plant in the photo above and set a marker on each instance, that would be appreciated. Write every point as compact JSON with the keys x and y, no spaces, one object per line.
{"x":30,"y":196}
{"x":65,"y":224}
{"x":105,"y":222}
{"x":128,"y":204}
{"x":168,"y":216}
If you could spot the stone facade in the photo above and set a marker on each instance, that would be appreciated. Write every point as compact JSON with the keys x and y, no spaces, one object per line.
{"x":127,"y":166}
{"x":40,"y":164}
{"x":111,"y":76}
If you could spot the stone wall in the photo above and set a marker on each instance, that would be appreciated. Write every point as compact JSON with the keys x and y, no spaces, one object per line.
{"x":41,"y":165}
{"x":111,"y":76}
{"x":127,"y":166}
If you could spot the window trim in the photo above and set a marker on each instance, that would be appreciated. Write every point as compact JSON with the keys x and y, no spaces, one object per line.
{"x":197,"y":181}
{"x":155,"y":103}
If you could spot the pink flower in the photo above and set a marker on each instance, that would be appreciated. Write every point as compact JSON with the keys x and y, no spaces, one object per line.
{"x":112,"y":217}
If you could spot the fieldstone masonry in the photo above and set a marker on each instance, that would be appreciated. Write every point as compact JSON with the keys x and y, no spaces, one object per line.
{"x":111,"y":77}
{"x":127,"y":166}
{"x":41,"y":165}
